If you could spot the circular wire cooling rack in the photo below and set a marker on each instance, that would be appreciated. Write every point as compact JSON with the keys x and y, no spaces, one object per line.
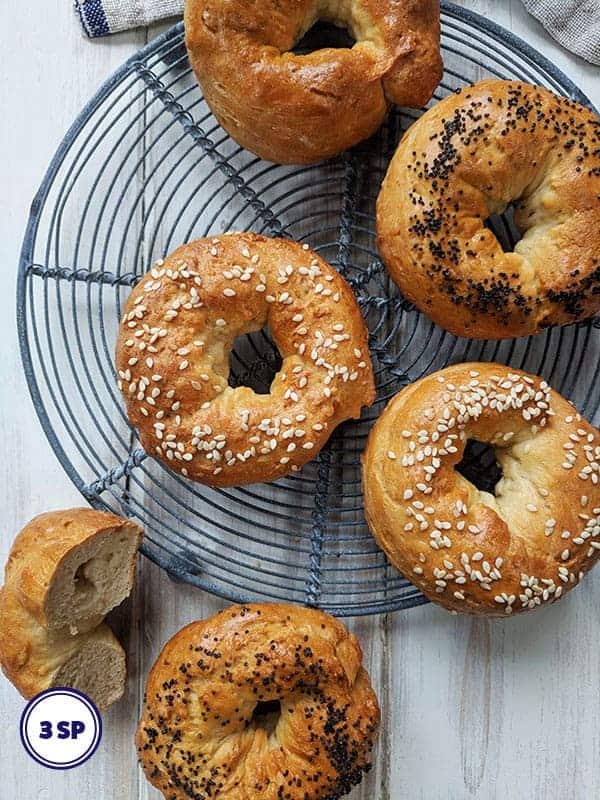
{"x":145,"y":168}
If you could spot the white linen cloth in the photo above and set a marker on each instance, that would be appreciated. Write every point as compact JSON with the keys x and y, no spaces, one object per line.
{"x":573,"y":23}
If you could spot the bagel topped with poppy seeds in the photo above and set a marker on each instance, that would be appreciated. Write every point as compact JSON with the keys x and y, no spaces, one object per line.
{"x":258,"y":702}
{"x":470,"y":157}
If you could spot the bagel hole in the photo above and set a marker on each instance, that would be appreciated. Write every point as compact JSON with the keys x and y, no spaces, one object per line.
{"x":254,"y":361}
{"x":322,"y":35}
{"x":266,"y":714}
{"x":504,"y":228}
{"x":480,"y":466}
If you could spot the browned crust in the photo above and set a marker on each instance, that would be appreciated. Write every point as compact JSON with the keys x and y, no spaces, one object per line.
{"x":45,"y":541}
{"x":450,"y":540}
{"x":301,"y":109}
{"x":31,"y":653}
{"x":179,"y":326}
{"x":196,"y":736}
{"x":466,"y":158}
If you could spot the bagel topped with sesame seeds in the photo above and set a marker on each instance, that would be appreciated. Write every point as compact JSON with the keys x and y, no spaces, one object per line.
{"x":294,"y":108}
{"x":526,"y":544}
{"x":258,"y":702}
{"x":470,"y":157}
{"x":172,"y":358}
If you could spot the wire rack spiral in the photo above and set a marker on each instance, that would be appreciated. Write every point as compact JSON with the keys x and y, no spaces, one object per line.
{"x":145,"y":168}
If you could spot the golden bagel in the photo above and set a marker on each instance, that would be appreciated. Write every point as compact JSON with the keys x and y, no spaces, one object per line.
{"x":468,"y":157}
{"x":177,"y":331}
{"x":468,"y":550}
{"x":298,"y":109}
{"x":259,"y":702}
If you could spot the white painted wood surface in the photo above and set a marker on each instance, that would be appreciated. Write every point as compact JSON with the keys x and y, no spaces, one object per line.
{"x":471,"y":708}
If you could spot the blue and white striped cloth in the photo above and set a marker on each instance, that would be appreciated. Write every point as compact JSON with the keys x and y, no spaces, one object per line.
{"x":573,"y":23}
{"x":101,"y":17}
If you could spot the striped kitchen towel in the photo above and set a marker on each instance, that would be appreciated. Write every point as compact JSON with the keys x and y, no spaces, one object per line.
{"x":573,"y":23}
{"x":101,"y":17}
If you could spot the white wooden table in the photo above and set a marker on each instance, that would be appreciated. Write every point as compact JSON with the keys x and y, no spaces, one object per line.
{"x":471,"y":708}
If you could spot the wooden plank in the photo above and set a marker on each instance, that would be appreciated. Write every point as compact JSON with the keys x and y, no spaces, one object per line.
{"x":52,"y":70}
{"x":482,"y":708}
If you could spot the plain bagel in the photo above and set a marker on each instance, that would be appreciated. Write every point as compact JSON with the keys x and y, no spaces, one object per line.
{"x":298,"y":109}
{"x":177,"y":331}
{"x":468,"y":550}
{"x":259,"y":702}
{"x":469,"y":157}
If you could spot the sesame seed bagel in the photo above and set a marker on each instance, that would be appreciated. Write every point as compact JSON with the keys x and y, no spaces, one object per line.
{"x":260,"y":702}
{"x":469,"y":157}
{"x":469,"y":550}
{"x":297,"y":109}
{"x":172,"y":358}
